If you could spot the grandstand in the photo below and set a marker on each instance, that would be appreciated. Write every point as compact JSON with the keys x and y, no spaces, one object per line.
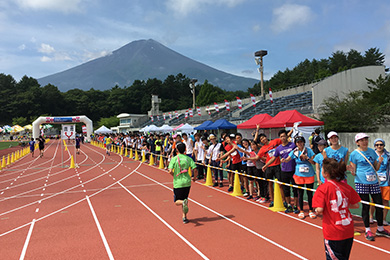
{"x":306,"y":98}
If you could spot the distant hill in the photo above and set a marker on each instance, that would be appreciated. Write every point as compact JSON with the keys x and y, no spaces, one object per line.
{"x":140,"y":60}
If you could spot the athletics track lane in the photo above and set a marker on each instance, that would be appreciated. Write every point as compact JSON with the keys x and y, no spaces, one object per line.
{"x":214,"y":236}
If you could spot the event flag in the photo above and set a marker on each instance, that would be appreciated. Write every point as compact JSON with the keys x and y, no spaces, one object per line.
{"x":164,"y":116}
{"x":177,"y":114}
{"x":170,"y":115}
{"x":151,"y":117}
{"x":227,"y":105}
{"x":198,"y":109}
{"x":208,"y":110}
{"x":191,"y":113}
{"x":216,"y":107}
{"x":158,"y":118}
{"x":253,"y":100}
{"x":270,"y":96}
{"x":186,"y":115}
{"x":239,"y":103}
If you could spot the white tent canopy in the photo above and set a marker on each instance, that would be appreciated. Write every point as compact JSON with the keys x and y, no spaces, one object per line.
{"x":165,"y":129}
{"x":103,"y":130}
{"x":186,"y":128}
{"x":150,"y":128}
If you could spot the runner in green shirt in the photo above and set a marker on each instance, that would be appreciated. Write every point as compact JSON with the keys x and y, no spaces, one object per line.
{"x":178,"y":168}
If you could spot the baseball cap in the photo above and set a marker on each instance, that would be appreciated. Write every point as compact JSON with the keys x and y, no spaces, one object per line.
{"x":360,"y":136}
{"x":211,"y":136}
{"x":332,"y":133}
{"x":321,"y":142}
{"x":299,"y":138}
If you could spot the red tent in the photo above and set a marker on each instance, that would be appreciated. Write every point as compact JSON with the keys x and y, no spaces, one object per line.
{"x":255,"y":120}
{"x":288,"y":118}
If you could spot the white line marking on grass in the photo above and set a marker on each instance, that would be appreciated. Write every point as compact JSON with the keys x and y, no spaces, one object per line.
{"x":24,"y":250}
{"x":166,"y":224}
{"x":232,"y":221}
{"x":100,"y":230}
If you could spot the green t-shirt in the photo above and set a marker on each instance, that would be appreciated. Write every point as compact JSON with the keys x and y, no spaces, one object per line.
{"x":181,"y":180}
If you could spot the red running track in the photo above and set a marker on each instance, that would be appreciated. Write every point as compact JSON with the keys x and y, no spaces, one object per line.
{"x":112,"y":207}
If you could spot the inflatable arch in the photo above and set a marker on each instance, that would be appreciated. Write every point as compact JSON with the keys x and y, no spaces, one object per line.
{"x":62,"y":120}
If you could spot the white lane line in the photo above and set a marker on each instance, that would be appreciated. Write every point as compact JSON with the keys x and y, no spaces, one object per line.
{"x":297,"y":219}
{"x":24,"y":250}
{"x":232,"y":221}
{"x":166,"y":224}
{"x":100,"y":230}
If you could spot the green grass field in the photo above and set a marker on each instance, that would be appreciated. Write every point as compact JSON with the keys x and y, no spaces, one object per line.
{"x":5,"y":145}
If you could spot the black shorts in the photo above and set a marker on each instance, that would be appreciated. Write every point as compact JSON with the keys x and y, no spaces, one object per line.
{"x":236,"y":167}
{"x":181,"y":193}
{"x":273,"y":172}
{"x":77,"y":146}
{"x":41,"y":147}
{"x":287,"y":177}
{"x":252,"y":170}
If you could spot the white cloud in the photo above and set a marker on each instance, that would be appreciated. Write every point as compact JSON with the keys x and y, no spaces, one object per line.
{"x":45,"y":59}
{"x":185,"y":7}
{"x":88,"y":55}
{"x":65,"y":6}
{"x":46,"y":48}
{"x":289,"y":15}
{"x":22,"y":47}
{"x":256,"y":28}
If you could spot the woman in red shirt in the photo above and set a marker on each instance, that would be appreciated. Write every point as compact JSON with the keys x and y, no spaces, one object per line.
{"x":333,"y":199}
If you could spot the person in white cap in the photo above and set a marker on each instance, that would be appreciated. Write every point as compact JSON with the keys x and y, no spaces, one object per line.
{"x":335,"y":150}
{"x":364,"y":162}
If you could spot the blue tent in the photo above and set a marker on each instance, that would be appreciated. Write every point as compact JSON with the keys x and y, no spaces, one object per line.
{"x":221,"y":124}
{"x":203,"y":125}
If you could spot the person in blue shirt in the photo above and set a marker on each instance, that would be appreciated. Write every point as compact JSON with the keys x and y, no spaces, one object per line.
{"x":364,"y":162}
{"x":318,"y":159}
{"x":335,"y":150}
{"x":32,"y":146}
{"x":304,"y":173}
{"x":383,"y":175}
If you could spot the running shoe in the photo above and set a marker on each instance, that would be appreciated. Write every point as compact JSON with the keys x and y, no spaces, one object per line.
{"x":383,"y":233}
{"x":249,"y":197}
{"x":301,"y":215}
{"x":230,"y":189}
{"x":220,"y":184}
{"x":246,"y":194}
{"x":256,"y":198}
{"x":271,"y":204}
{"x":215,"y":184}
{"x":289,"y":210}
{"x":185,"y":220}
{"x":185,"y":206}
{"x":263,"y":200}
{"x":312,"y":215}
{"x":296,"y":210}
{"x":370,"y":236}
{"x":285,"y":204}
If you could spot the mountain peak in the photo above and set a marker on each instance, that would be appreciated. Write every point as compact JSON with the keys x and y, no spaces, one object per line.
{"x":141,"y":60}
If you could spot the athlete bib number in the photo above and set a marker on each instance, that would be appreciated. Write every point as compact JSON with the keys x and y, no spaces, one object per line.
{"x":303,"y":168}
{"x":370,"y":176}
{"x":382,"y":176}
{"x":271,"y":152}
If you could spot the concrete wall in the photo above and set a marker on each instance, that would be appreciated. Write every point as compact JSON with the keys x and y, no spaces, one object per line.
{"x":344,"y":82}
{"x":348,"y":140}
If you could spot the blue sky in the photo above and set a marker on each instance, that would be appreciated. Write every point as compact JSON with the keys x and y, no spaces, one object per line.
{"x":42,"y":37}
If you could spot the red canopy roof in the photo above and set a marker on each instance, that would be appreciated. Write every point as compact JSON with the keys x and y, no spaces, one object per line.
{"x":288,"y":118}
{"x":255,"y":120}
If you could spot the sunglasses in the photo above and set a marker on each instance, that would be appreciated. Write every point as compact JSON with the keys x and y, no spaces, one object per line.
{"x":379,"y":144}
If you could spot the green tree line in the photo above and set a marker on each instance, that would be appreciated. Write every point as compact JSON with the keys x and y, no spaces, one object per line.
{"x":22,"y":102}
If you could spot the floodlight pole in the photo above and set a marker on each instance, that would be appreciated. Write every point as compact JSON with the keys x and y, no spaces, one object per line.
{"x":192,"y":87}
{"x":259,"y":61}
